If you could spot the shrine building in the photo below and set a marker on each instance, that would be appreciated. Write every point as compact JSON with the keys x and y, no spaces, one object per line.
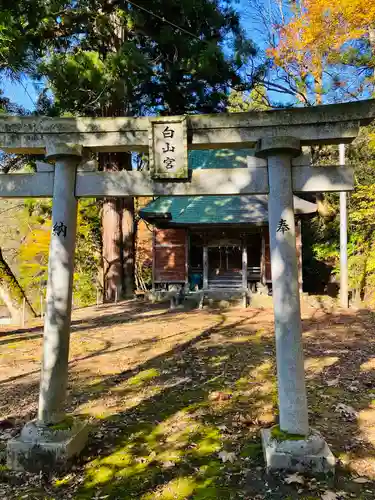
{"x":216,"y":242}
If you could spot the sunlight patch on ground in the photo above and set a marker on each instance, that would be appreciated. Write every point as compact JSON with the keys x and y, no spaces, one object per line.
{"x":363,"y":466}
{"x":179,"y":438}
{"x":368,"y":365}
{"x":119,"y":399}
{"x":366,"y":424}
{"x":143,"y":377}
{"x":255,"y":337}
{"x":262,"y":372}
{"x":316,"y":365}
{"x":177,"y":489}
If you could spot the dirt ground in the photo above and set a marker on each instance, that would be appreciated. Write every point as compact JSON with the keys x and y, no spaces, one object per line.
{"x":176,"y":400}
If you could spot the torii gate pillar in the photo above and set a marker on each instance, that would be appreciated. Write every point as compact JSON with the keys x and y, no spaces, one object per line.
{"x":54,"y":374}
{"x":42,"y":442}
{"x":310,"y":452}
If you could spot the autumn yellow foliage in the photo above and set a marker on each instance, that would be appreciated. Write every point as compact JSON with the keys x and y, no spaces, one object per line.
{"x":318,"y":31}
{"x":34,"y":252}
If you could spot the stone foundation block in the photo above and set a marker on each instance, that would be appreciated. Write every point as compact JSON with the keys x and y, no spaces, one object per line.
{"x":41,"y":448}
{"x":311,"y":455}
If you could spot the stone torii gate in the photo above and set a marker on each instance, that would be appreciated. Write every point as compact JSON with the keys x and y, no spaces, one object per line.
{"x":278,"y":170}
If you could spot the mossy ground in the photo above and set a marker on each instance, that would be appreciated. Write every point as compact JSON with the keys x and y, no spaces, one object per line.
{"x":177,"y":401}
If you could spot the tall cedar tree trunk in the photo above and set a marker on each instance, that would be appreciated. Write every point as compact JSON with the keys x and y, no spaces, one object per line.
{"x":118,"y":214}
{"x":12,"y":293}
{"x":118,"y":235}
{"x":128,"y":239}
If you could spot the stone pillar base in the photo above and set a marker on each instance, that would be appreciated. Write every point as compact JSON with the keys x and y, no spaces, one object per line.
{"x":41,"y":448}
{"x":311,"y":455}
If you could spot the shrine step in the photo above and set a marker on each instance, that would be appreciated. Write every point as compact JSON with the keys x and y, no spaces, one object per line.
{"x":223,"y":287}
{"x":225,"y":283}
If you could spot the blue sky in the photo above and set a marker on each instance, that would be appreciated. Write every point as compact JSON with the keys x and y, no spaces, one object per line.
{"x":24,"y":95}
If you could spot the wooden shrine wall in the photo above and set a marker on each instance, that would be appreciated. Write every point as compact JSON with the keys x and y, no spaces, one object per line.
{"x":170,"y":255}
{"x":267,"y":253}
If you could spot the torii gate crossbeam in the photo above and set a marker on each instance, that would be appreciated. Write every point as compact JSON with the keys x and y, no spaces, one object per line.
{"x":333,"y":124}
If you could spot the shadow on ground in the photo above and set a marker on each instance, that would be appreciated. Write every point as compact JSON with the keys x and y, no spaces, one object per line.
{"x":185,"y":424}
{"x":125,"y":312}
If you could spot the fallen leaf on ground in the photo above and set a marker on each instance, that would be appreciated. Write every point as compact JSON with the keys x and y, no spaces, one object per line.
{"x":333,"y":382}
{"x":227,"y":456}
{"x":168,"y":464}
{"x":294,"y":478}
{"x":353,"y":388}
{"x":329,"y":495}
{"x":222,"y":427}
{"x":360,"y":480}
{"x":346,"y":410}
{"x":219,"y":396}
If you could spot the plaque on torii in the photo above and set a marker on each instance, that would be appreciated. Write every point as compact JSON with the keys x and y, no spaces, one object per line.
{"x":168,"y":155}
{"x":278,"y":170}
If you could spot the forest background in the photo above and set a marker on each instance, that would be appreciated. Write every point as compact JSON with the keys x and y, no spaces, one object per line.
{"x":122,"y":58}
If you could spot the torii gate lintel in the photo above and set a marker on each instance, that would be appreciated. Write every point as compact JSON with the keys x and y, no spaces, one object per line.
{"x":332,"y":124}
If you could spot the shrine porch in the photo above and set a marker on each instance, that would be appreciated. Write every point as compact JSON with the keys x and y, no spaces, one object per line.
{"x":215,"y":243}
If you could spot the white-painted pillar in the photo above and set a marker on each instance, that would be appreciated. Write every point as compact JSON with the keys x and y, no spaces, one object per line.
{"x":205,"y":267}
{"x":244,"y":265}
{"x":285,"y":288}
{"x":299,"y":254}
{"x":344,"y":290}
{"x":60,"y":283}
{"x":263,"y":278}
